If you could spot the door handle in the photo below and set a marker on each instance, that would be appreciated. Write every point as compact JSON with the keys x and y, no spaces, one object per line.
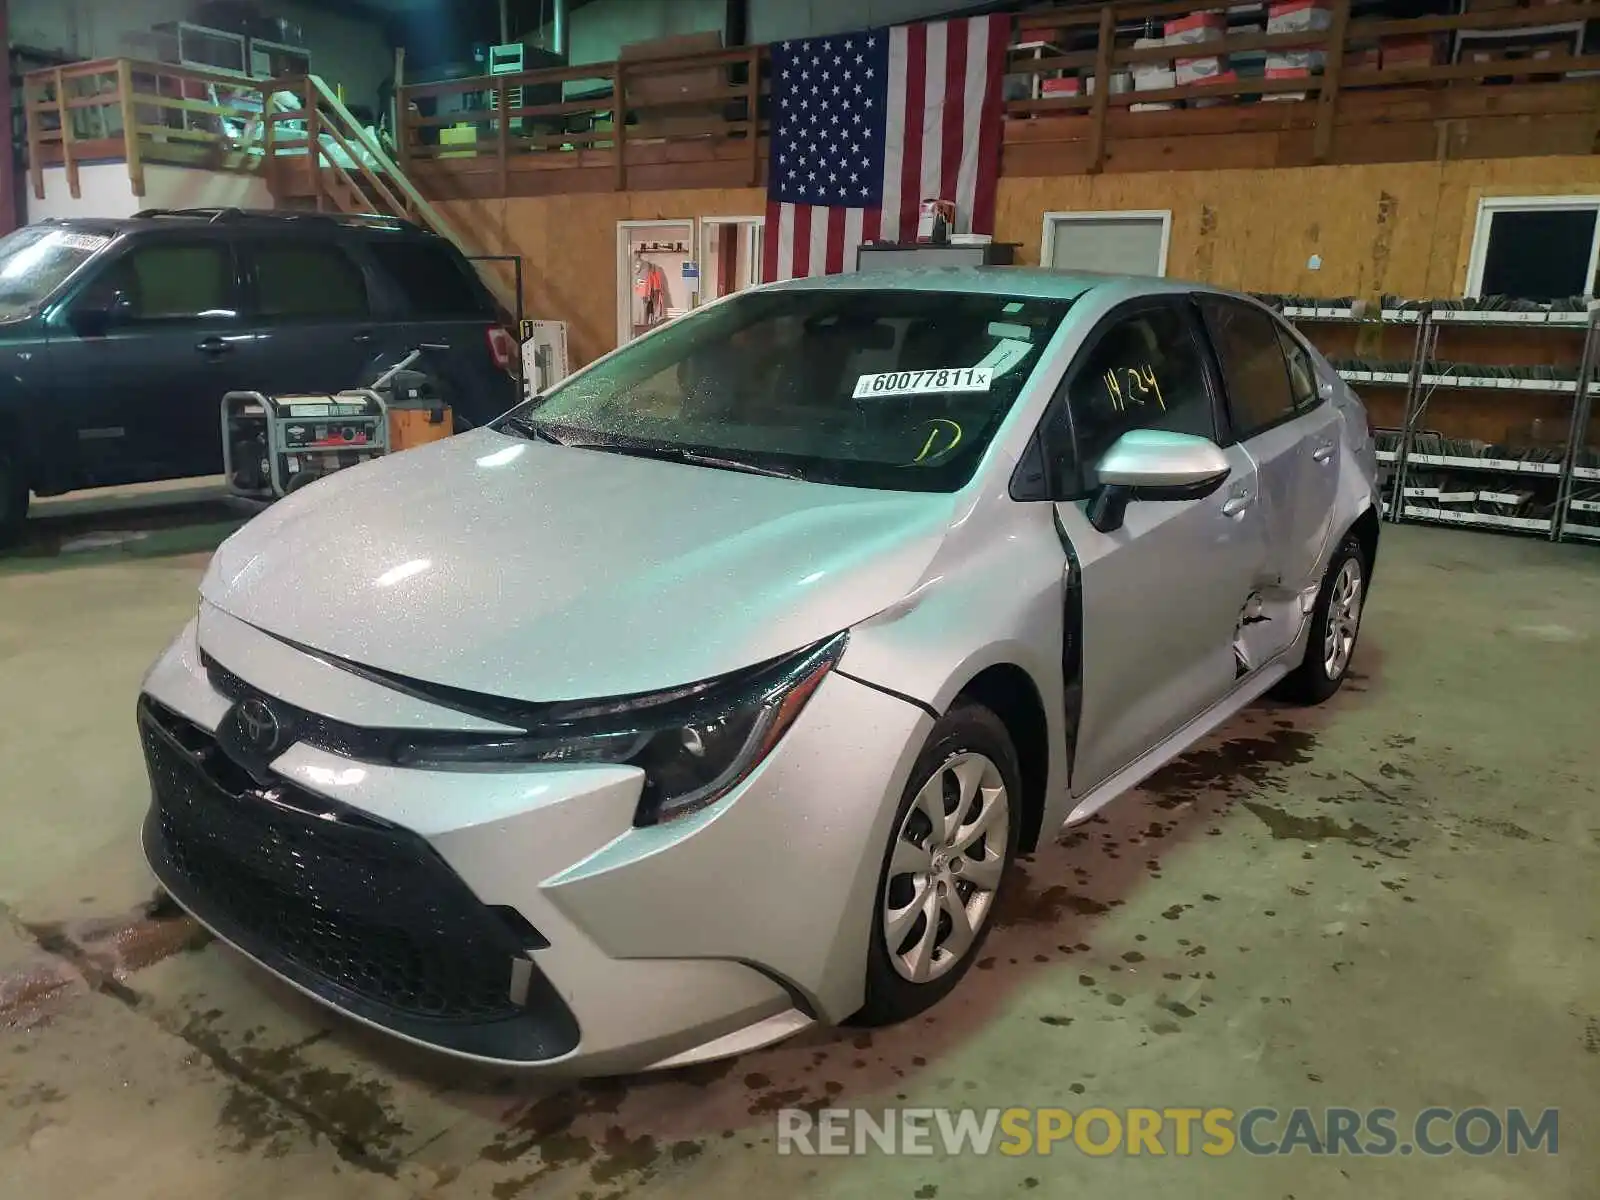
{"x":213,"y":345}
{"x":1323,"y":453}
{"x":1237,"y":503}
{"x":362,"y":335}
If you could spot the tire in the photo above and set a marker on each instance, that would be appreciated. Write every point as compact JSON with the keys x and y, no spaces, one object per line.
{"x":13,"y":499}
{"x":969,"y":743}
{"x":1337,"y":615}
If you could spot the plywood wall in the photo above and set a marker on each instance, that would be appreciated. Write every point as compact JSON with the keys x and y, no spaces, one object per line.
{"x":1402,"y":228}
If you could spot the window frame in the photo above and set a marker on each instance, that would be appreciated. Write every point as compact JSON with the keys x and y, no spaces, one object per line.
{"x":246,"y":253}
{"x":1483,"y":227}
{"x":1054,"y":485}
{"x":1286,"y":330}
{"x":1234,"y":433}
{"x":112,"y":259}
{"x":1047,"y":243}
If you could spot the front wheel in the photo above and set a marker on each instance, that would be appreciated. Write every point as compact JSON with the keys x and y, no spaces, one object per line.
{"x":953,"y":841}
{"x":1335,"y":625}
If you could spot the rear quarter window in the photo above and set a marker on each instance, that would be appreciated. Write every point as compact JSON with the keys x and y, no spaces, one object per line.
{"x":432,"y":280}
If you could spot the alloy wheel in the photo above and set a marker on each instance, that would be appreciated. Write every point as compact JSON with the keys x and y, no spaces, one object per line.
{"x":945,"y":867}
{"x":1344,"y":619}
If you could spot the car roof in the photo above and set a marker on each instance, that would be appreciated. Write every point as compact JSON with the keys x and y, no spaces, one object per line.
{"x":153,"y":218}
{"x":1044,"y":283}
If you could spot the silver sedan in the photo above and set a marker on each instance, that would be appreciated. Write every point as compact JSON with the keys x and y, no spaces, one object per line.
{"x":713,"y":693}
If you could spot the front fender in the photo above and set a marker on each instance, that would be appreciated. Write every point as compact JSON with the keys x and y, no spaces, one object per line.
{"x":994,"y":595}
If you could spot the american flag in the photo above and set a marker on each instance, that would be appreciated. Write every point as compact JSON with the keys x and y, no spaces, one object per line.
{"x":870,"y":124}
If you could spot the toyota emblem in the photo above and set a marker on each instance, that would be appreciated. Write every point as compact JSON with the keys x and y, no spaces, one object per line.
{"x":260,"y":726}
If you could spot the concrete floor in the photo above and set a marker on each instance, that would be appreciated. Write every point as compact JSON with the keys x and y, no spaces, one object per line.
{"x":1387,"y":901}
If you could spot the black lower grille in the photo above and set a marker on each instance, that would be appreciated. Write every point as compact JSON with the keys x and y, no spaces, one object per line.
{"x":364,"y":913}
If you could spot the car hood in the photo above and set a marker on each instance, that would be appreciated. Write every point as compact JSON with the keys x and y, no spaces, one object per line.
{"x":539,"y":572}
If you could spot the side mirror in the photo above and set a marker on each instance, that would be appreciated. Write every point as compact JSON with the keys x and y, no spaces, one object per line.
{"x":97,"y":314}
{"x":1151,"y":464}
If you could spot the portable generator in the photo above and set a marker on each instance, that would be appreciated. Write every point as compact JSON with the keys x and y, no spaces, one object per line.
{"x":274,"y":445}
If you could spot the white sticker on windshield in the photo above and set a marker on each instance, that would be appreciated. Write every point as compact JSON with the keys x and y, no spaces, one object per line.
{"x":922,"y":383}
{"x":82,"y":241}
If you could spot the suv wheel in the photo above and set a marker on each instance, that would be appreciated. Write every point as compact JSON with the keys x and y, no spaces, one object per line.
{"x":13,"y":498}
{"x":1335,"y":624}
{"x":954,"y":837}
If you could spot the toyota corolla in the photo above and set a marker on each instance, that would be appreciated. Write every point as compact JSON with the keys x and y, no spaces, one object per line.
{"x":713,"y":693}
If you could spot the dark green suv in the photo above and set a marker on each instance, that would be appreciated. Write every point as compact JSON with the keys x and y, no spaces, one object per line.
{"x":120,"y":337}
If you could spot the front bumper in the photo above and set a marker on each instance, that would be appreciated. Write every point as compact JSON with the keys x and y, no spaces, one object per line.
{"x":517,"y":917}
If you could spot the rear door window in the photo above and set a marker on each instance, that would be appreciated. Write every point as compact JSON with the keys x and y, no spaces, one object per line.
{"x":1302,"y":375}
{"x":307,"y":280}
{"x":434,"y":283}
{"x":1253,"y":367}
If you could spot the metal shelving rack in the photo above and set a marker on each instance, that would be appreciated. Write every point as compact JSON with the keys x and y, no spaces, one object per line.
{"x":1575,"y":511}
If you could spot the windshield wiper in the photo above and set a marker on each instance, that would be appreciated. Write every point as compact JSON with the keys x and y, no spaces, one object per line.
{"x":737,"y":464}
{"x":532,"y":429}
{"x":696,"y":458}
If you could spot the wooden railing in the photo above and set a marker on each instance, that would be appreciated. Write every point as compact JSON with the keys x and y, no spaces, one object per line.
{"x":1094,"y":46}
{"x":308,"y":150}
{"x":598,"y":113}
{"x":134,"y":110}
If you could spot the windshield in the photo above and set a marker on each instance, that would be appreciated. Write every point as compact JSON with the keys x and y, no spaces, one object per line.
{"x":35,"y":259}
{"x":889,"y":388}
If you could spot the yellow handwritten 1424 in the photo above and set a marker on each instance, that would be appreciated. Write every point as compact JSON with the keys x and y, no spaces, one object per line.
{"x":1133,"y":385}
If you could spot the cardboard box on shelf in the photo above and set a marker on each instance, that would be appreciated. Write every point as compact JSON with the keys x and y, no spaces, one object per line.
{"x":1287,"y":73}
{"x":1368,"y":58}
{"x":1297,"y":16}
{"x":1196,"y":27}
{"x":1071,"y":85}
{"x":1151,"y":76}
{"x":1198,"y":70}
{"x":1294,"y":60}
{"x":1219,"y":79}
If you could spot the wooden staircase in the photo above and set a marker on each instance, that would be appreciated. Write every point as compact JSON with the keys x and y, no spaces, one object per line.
{"x":320,"y":157}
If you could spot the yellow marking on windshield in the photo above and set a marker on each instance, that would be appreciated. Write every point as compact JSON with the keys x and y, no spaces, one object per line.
{"x":939,"y":425}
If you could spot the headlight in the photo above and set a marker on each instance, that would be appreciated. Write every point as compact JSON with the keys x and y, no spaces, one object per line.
{"x":694,"y":744}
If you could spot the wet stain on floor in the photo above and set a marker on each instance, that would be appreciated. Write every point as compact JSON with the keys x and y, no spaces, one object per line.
{"x":1251,"y":759}
{"x":1284,"y":826}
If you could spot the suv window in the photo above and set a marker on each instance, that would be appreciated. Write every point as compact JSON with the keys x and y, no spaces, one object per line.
{"x":307,"y":279}
{"x":1143,"y":372}
{"x":1246,"y":339}
{"x":433,"y":281}
{"x":169,"y":281}
{"x":1303,"y":388}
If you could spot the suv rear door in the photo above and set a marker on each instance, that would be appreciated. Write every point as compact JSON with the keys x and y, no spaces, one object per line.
{"x":141,"y":388}
{"x":311,"y":311}
{"x":437,"y":299}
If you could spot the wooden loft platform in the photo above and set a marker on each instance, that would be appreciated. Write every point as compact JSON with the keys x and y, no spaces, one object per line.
{"x":1375,"y":90}
{"x":294,"y":134}
{"x":688,"y":119}
{"x":126,"y":110}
